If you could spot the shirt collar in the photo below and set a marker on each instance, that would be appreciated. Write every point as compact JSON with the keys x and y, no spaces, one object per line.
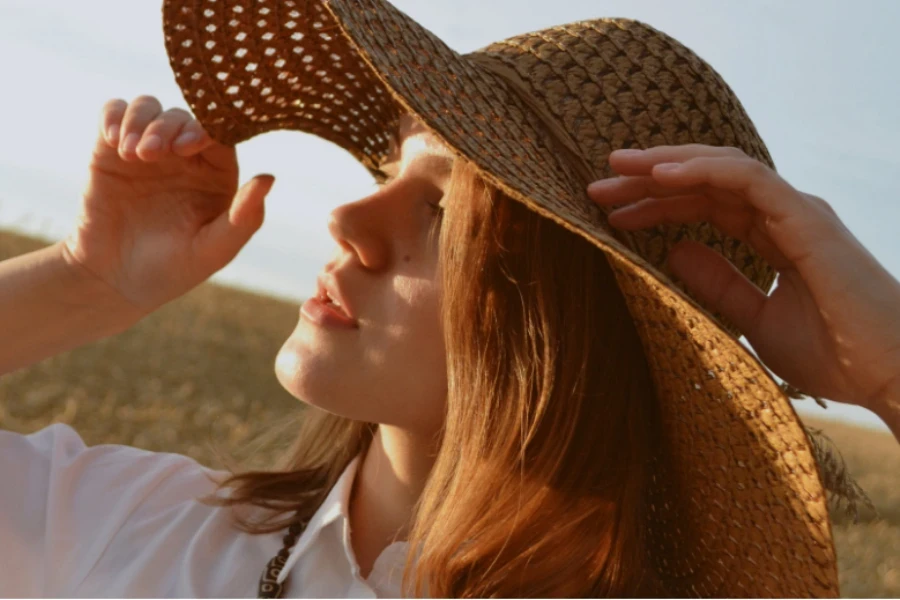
{"x":335,"y":506}
{"x":387,"y":570}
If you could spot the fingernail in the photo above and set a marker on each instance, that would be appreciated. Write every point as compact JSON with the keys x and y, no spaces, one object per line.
{"x":667,"y":167}
{"x":628,"y":152}
{"x":153,"y":142}
{"x":112,"y":134}
{"x":186,"y":138}
{"x":131,"y":142}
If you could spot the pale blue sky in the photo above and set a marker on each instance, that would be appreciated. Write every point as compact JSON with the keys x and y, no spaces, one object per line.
{"x":818,"y":77}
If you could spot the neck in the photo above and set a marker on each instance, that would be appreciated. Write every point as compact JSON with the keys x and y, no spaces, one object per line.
{"x":388,"y":484}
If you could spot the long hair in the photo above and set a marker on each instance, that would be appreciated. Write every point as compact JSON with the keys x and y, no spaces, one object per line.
{"x":538,"y":488}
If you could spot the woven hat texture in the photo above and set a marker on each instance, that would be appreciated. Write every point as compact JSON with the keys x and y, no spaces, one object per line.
{"x":738,"y":507}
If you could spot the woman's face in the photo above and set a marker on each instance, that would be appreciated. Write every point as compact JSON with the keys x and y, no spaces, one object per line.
{"x":391,"y":369}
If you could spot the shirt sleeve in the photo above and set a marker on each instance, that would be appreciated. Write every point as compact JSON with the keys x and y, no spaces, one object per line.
{"x":61,"y":502}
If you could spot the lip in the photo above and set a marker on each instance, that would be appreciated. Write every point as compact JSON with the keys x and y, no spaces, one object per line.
{"x":316,"y":311}
{"x":319,"y":310}
{"x":327,"y":283}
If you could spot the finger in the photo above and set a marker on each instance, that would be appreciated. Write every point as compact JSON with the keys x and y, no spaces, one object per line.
{"x":617,"y":191}
{"x":641,"y":162}
{"x":111,"y":120}
{"x":718,"y":284}
{"x":789,"y":225}
{"x":220,"y":241}
{"x":216,"y":155}
{"x":191,"y":139}
{"x":736,"y":222}
{"x":687,"y":208}
{"x":740,"y":222}
{"x":762,"y":187}
{"x":140,"y":113}
{"x":160,"y":133}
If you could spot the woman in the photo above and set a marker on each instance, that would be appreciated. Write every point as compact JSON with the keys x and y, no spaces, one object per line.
{"x":507,"y":399}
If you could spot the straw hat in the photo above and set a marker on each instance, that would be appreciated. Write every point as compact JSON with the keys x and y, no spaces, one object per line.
{"x":738,"y":506}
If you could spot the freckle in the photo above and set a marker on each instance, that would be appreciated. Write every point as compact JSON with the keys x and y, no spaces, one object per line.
{"x":406,"y":258}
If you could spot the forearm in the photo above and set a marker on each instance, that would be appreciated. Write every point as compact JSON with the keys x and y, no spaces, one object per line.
{"x":47,"y":307}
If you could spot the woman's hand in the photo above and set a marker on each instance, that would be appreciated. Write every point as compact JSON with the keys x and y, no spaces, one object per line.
{"x":160,"y":214}
{"x":831,"y":327}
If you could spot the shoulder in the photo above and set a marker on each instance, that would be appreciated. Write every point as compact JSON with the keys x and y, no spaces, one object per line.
{"x":58,"y":453}
{"x":59,"y":474}
{"x":65,"y":502}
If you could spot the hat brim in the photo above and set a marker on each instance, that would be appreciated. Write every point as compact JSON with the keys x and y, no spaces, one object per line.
{"x":740,"y":508}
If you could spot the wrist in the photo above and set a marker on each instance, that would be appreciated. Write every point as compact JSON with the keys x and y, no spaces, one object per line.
{"x":887,"y":406}
{"x":91,"y":295}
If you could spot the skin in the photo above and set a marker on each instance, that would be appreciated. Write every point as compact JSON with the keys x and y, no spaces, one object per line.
{"x":159,"y":219}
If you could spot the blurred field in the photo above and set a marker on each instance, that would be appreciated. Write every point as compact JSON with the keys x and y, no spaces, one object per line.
{"x":200,"y":370}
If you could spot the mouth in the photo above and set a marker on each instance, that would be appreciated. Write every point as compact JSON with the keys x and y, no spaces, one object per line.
{"x":330,"y":297}
{"x":328,"y":294}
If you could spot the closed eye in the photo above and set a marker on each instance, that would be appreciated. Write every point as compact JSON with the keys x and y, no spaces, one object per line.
{"x":436,"y":207}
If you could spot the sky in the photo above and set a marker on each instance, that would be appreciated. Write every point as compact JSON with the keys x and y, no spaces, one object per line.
{"x":818,"y":77}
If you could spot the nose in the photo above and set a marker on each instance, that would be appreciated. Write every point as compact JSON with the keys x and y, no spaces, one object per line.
{"x":358,"y":228}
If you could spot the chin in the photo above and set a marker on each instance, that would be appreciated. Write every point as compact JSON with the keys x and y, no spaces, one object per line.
{"x":311,"y":378}
{"x":330,"y":377}
{"x":303,"y":363}
{"x":303,"y":373}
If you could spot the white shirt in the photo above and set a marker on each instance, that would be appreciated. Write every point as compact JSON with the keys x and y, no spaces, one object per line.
{"x":117,"y":521}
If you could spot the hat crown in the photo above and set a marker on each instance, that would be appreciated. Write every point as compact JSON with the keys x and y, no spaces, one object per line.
{"x":618,"y":83}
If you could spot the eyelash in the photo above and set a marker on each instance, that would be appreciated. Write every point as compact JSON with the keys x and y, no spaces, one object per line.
{"x":437,"y":208}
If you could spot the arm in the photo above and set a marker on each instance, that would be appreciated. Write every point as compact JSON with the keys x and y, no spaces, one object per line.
{"x":157,"y":220}
{"x":47,"y":306}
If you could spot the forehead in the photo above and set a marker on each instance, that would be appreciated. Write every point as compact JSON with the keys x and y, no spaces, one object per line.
{"x":413,"y":139}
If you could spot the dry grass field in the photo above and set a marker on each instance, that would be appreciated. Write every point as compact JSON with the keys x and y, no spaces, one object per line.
{"x":200,"y":370}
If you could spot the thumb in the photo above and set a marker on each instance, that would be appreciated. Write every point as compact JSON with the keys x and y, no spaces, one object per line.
{"x":718,"y":284}
{"x":221,"y":240}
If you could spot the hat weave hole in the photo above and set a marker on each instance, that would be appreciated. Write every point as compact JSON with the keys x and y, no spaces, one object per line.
{"x":253,"y":67}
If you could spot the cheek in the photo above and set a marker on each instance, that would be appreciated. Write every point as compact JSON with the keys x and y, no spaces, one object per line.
{"x":426,"y":332}
{"x":408,"y":383}
{"x":416,"y":339}
{"x":421,"y":371}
